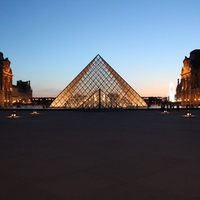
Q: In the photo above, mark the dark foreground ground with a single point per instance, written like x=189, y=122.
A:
x=138, y=154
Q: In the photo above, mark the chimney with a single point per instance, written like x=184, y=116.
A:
x=1, y=56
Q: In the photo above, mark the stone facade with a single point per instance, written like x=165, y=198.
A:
x=5, y=82
x=22, y=93
x=188, y=89
x=12, y=94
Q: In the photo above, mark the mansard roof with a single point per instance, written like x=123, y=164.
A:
x=194, y=59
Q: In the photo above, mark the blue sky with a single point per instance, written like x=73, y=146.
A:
x=50, y=41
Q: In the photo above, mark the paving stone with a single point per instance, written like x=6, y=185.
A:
x=132, y=154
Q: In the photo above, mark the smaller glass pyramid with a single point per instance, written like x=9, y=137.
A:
x=98, y=86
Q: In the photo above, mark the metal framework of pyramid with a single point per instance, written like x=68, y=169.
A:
x=98, y=86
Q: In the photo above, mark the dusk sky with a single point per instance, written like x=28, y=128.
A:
x=50, y=41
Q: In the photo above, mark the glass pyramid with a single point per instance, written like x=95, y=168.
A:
x=98, y=86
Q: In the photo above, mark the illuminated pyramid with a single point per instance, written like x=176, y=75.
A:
x=98, y=86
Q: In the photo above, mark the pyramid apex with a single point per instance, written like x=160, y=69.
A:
x=98, y=56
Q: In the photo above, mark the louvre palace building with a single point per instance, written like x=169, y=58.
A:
x=188, y=88
x=12, y=94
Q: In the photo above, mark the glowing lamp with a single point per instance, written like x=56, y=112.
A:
x=13, y=114
x=34, y=112
x=189, y=114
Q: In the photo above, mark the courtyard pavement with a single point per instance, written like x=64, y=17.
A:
x=102, y=155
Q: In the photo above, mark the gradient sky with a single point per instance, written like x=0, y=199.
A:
x=50, y=41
